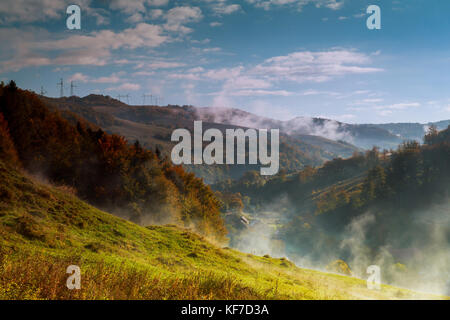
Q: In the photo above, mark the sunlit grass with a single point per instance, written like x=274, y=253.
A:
x=43, y=230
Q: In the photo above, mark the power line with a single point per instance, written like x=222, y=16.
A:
x=127, y=96
x=61, y=91
x=159, y=100
x=71, y=88
x=146, y=96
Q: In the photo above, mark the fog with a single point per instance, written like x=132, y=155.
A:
x=422, y=264
x=329, y=129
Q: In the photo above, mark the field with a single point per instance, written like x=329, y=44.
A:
x=45, y=228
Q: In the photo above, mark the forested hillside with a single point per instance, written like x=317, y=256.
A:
x=379, y=207
x=153, y=126
x=103, y=169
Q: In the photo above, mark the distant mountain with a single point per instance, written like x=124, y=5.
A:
x=412, y=131
x=363, y=136
x=304, y=141
x=153, y=126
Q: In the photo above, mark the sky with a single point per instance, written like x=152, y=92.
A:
x=280, y=59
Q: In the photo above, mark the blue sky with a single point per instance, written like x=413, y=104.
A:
x=279, y=58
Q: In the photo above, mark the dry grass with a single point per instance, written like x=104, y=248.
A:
x=39, y=277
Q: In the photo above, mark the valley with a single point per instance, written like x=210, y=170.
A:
x=260, y=237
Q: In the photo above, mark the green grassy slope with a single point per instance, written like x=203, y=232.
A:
x=44, y=229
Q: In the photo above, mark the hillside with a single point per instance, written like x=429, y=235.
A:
x=153, y=126
x=104, y=170
x=44, y=229
x=388, y=208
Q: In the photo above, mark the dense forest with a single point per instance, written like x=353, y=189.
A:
x=103, y=169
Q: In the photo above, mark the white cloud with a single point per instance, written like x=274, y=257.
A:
x=143, y=73
x=156, y=13
x=178, y=16
x=398, y=106
x=267, y=4
x=204, y=41
x=196, y=69
x=122, y=61
x=30, y=11
x=27, y=11
x=185, y=76
x=255, y=93
x=387, y=110
x=385, y=113
x=317, y=92
x=158, y=3
x=215, y=24
x=224, y=73
x=135, y=18
x=126, y=87
x=110, y=79
x=163, y=65
x=209, y=50
x=155, y=64
x=135, y=6
x=343, y=117
x=193, y=74
x=375, y=100
x=308, y=66
x=223, y=7
x=265, y=78
x=113, y=78
x=35, y=47
x=128, y=6
x=79, y=77
x=226, y=9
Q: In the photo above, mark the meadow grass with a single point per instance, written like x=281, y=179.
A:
x=44, y=229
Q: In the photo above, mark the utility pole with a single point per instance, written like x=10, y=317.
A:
x=145, y=96
x=127, y=96
x=61, y=90
x=71, y=88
